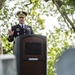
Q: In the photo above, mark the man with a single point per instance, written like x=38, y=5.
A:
x=21, y=28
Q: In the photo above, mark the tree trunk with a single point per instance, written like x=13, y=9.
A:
x=63, y=13
x=1, y=51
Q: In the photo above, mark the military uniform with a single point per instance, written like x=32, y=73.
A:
x=18, y=30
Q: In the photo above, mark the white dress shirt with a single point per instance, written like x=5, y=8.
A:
x=22, y=25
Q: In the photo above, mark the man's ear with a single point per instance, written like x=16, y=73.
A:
x=25, y=18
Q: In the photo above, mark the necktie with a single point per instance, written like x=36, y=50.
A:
x=22, y=25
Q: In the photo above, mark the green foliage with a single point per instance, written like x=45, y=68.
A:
x=8, y=19
x=7, y=46
x=71, y=3
x=1, y=3
x=56, y=42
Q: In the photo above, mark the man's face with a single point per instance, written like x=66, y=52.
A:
x=21, y=20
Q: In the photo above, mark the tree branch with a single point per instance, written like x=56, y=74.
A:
x=63, y=14
x=28, y=3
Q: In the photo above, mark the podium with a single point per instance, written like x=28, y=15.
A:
x=31, y=54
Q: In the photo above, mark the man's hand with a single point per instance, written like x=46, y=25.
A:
x=10, y=32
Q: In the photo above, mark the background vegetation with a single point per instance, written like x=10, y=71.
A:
x=57, y=40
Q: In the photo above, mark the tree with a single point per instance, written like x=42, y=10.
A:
x=1, y=3
x=66, y=19
x=64, y=7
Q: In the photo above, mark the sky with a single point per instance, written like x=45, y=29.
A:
x=50, y=22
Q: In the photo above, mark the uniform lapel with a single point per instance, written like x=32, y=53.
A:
x=19, y=26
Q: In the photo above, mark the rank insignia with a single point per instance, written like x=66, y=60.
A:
x=17, y=29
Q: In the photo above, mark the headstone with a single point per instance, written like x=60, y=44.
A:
x=66, y=63
x=8, y=65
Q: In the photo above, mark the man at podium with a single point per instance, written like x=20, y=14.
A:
x=21, y=28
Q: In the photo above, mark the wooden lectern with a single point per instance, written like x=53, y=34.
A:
x=30, y=51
